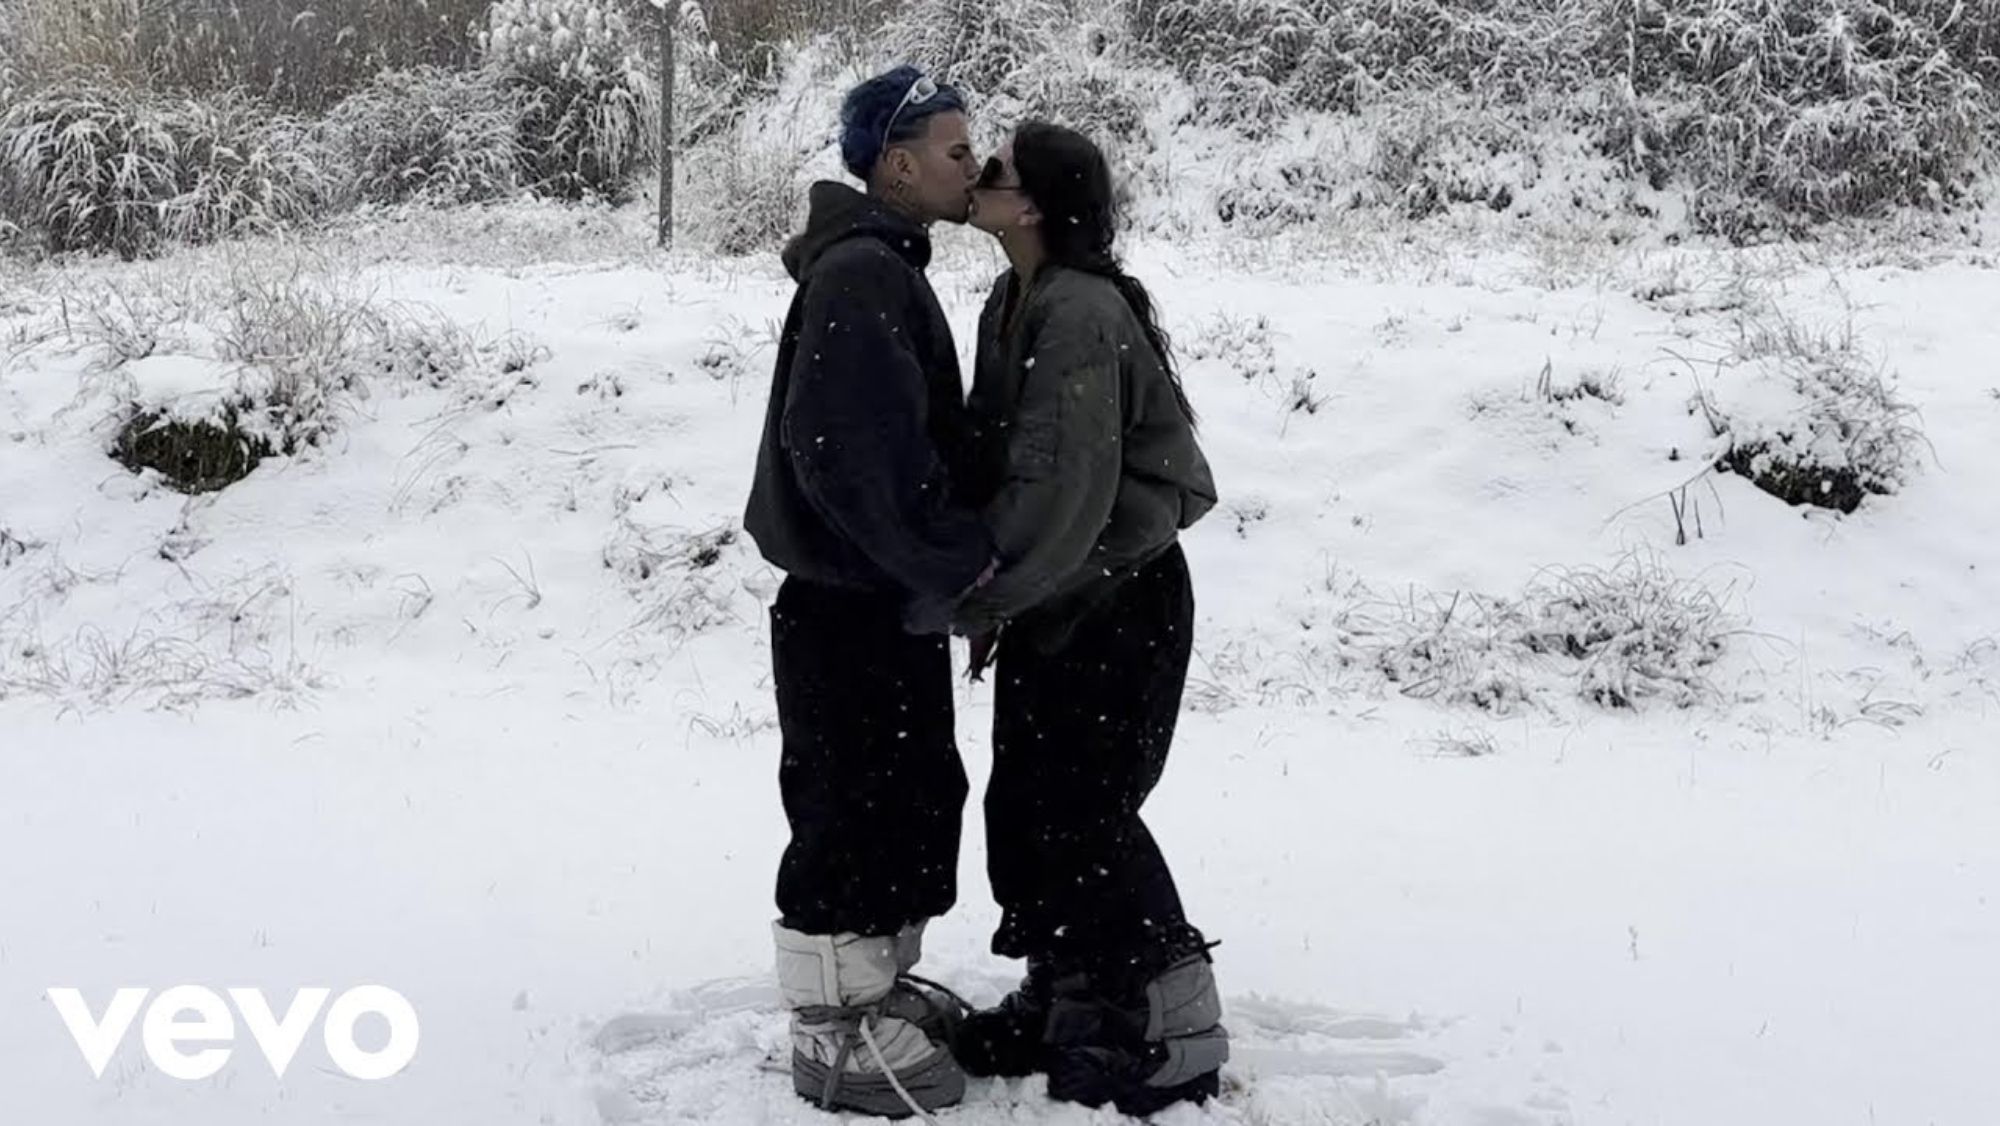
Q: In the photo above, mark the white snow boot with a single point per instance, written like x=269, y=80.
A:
x=857, y=1044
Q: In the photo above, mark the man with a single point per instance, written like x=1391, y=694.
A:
x=853, y=500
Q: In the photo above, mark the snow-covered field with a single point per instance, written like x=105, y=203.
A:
x=472, y=700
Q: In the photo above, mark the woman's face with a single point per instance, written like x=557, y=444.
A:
x=999, y=205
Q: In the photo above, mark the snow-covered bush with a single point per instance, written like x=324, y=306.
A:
x=1635, y=632
x=1821, y=423
x=302, y=54
x=756, y=179
x=1056, y=60
x=590, y=108
x=746, y=182
x=100, y=167
x=304, y=347
x=675, y=576
x=124, y=323
x=1770, y=114
x=753, y=37
x=287, y=354
x=1053, y=60
x=1435, y=152
x=1779, y=113
x=430, y=136
x=1616, y=637
x=1970, y=30
x=1255, y=57
x=980, y=45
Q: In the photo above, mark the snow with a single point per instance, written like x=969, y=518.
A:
x=171, y=381
x=473, y=702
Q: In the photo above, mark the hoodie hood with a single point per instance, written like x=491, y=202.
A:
x=839, y=213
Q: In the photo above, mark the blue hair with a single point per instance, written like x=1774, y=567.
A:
x=868, y=108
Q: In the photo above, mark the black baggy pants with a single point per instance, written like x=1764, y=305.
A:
x=1080, y=737
x=870, y=775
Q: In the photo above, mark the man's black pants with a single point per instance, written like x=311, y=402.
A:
x=870, y=775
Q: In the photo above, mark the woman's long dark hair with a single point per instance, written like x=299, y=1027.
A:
x=1066, y=176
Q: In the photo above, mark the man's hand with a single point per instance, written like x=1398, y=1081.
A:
x=983, y=646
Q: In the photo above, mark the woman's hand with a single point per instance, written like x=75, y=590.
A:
x=983, y=646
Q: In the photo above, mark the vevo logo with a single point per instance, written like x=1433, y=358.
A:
x=189, y=1015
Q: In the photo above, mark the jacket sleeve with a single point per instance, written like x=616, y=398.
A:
x=855, y=429
x=1064, y=461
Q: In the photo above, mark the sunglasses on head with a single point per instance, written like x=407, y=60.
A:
x=922, y=90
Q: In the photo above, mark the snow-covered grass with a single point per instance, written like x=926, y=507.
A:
x=1745, y=118
x=1533, y=772
x=103, y=168
x=431, y=135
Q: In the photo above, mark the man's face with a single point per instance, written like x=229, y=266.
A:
x=937, y=168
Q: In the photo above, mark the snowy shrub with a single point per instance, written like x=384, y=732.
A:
x=1770, y=114
x=1604, y=386
x=747, y=185
x=1023, y=60
x=420, y=347
x=1260, y=39
x=293, y=352
x=42, y=41
x=746, y=181
x=512, y=353
x=1823, y=426
x=107, y=168
x=1244, y=344
x=980, y=45
x=1436, y=152
x=1295, y=189
x=1253, y=57
x=1969, y=29
x=124, y=323
x=590, y=108
x=304, y=349
x=303, y=54
x=753, y=37
x=1635, y=632
x=1456, y=651
x=675, y=576
x=299, y=350
x=430, y=136
x=1615, y=637
x=1084, y=80
x=1777, y=113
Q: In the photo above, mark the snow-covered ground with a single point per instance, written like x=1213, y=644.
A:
x=472, y=701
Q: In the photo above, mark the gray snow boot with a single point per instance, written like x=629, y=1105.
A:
x=856, y=1040
x=1141, y=1045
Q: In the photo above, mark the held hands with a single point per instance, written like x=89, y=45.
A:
x=983, y=643
x=983, y=647
x=986, y=576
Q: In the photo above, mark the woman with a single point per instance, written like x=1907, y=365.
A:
x=1086, y=461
